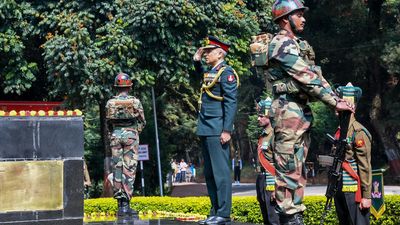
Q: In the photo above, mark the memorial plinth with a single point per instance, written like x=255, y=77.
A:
x=41, y=170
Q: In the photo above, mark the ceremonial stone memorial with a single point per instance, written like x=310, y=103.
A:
x=41, y=170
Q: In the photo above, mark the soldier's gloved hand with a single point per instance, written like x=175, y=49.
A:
x=225, y=137
x=365, y=203
x=199, y=53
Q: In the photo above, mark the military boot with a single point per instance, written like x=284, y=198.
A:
x=124, y=209
x=295, y=219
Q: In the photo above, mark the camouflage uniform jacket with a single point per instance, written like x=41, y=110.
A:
x=292, y=70
x=360, y=150
x=125, y=111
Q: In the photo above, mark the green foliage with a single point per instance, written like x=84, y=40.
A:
x=253, y=130
x=356, y=41
x=324, y=122
x=391, y=61
x=86, y=47
x=244, y=209
x=75, y=49
x=17, y=71
x=78, y=47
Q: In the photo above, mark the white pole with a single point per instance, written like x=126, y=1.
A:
x=157, y=143
x=141, y=172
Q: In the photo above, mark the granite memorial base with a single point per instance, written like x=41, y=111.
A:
x=41, y=170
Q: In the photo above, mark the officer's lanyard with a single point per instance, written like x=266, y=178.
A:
x=206, y=88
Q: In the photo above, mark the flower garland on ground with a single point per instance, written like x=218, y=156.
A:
x=75, y=112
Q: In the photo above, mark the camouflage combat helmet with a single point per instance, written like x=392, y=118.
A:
x=263, y=106
x=349, y=93
x=284, y=7
x=122, y=80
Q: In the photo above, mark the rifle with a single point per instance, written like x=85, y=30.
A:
x=337, y=157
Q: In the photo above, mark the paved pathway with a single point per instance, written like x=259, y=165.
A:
x=249, y=189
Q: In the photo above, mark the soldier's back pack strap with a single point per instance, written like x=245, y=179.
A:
x=121, y=109
x=259, y=49
x=259, y=54
x=206, y=87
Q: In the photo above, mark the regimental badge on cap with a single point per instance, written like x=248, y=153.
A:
x=264, y=106
x=349, y=93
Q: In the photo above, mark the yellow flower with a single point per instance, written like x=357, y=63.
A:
x=33, y=113
x=2, y=113
x=41, y=113
x=78, y=112
x=70, y=113
x=60, y=113
x=50, y=113
x=13, y=113
x=22, y=113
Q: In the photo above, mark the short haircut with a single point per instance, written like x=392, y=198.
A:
x=224, y=53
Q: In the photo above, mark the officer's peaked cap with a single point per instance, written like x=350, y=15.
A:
x=213, y=42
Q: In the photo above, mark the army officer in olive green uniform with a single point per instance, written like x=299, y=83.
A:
x=353, y=199
x=217, y=109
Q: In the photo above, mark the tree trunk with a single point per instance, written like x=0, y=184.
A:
x=384, y=136
x=377, y=84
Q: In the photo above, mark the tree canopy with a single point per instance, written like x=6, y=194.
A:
x=71, y=51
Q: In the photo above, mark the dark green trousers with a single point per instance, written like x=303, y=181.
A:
x=218, y=175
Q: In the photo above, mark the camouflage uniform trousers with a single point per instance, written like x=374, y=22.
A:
x=124, y=149
x=291, y=121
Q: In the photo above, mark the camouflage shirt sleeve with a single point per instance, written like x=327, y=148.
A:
x=362, y=150
x=285, y=51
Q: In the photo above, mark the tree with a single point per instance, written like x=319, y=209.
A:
x=349, y=42
x=87, y=43
x=17, y=69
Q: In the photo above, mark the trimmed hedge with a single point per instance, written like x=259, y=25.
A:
x=244, y=209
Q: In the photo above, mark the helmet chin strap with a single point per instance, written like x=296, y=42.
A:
x=292, y=25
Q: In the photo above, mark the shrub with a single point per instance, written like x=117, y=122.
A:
x=244, y=209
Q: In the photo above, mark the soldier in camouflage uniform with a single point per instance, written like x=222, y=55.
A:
x=125, y=120
x=265, y=184
x=353, y=199
x=296, y=80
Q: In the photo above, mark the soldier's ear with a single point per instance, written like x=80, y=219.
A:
x=220, y=54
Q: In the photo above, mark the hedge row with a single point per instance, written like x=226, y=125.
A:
x=244, y=209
